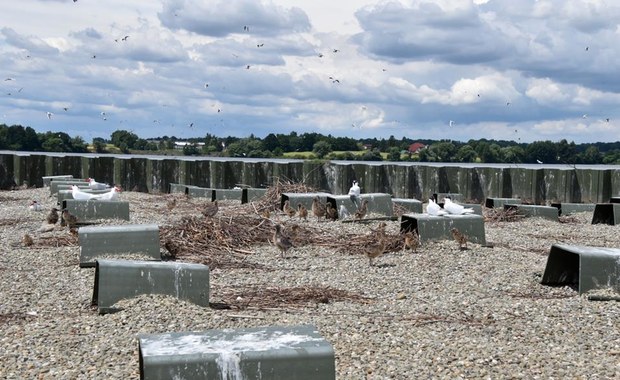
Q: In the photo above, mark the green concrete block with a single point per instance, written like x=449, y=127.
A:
x=546, y=212
x=96, y=209
x=56, y=185
x=48, y=178
x=121, y=279
x=573, y=208
x=501, y=202
x=178, y=188
x=252, y=194
x=411, y=205
x=586, y=268
x=227, y=194
x=614, y=200
x=606, y=213
x=97, y=241
x=303, y=198
x=431, y=227
x=274, y=352
x=378, y=203
x=200, y=192
x=456, y=197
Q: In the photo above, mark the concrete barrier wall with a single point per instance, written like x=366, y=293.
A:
x=535, y=183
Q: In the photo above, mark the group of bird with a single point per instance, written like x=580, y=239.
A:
x=111, y=195
x=449, y=207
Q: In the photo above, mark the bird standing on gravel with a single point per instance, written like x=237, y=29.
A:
x=282, y=241
x=460, y=238
x=411, y=241
x=210, y=209
x=318, y=209
x=69, y=219
x=375, y=249
x=330, y=212
x=362, y=211
x=52, y=217
x=171, y=204
x=288, y=210
x=302, y=211
x=27, y=240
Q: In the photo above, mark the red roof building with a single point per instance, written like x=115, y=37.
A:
x=416, y=147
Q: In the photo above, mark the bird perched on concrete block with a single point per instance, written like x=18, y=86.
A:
x=302, y=211
x=434, y=209
x=52, y=217
x=288, y=210
x=69, y=219
x=318, y=209
x=282, y=241
x=460, y=238
x=375, y=249
x=411, y=241
x=354, y=194
x=210, y=209
x=454, y=208
x=362, y=210
x=94, y=185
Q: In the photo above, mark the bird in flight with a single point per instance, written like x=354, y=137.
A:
x=49, y=115
x=260, y=45
x=451, y=123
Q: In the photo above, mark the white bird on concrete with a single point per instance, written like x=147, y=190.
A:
x=80, y=195
x=354, y=193
x=111, y=195
x=94, y=185
x=454, y=208
x=539, y=161
x=434, y=209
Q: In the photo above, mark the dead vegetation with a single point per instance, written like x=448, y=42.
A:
x=496, y=215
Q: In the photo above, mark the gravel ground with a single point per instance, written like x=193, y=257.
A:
x=438, y=313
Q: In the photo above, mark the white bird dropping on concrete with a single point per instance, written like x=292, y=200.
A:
x=454, y=208
x=434, y=209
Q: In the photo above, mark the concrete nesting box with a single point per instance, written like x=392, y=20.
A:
x=606, y=213
x=573, y=208
x=179, y=188
x=546, y=212
x=303, y=198
x=49, y=178
x=291, y=353
x=200, y=192
x=586, y=268
x=611, y=200
x=252, y=194
x=66, y=185
x=228, y=194
x=378, y=203
x=96, y=209
x=120, y=279
x=96, y=241
x=431, y=227
x=411, y=205
x=501, y=202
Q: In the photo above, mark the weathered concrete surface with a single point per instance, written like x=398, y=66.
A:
x=535, y=184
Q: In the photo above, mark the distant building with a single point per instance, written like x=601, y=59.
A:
x=416, y=147
x=183, y=144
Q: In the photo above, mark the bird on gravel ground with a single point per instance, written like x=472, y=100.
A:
x=375, y=249
x=454, y=208
x=69, y=219
x=318, y=209
x=288, y=210
x=171, y=204
x=52, y=217
x=459, y=238
x=282, y=241
x=302, y=211
x=210, y=209
x=330, y=212
x=411, y=241
x=362, y=211
x=27, y=240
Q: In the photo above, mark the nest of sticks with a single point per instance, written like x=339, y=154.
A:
x=495, y=215
x=256, y=297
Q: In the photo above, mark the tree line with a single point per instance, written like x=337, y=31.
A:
x=317, y=146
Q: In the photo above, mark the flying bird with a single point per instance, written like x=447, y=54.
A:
x=260, y=45
x=49, y=115
x=451, y=123
x=455, y=208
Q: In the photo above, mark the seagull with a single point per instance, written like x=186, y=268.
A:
x=35, y=206
x=80, y=195
x=539, y=161
x=206, y=85
x=247, y=67
x=260, y=45
x=49, y=115
x=451, y=122
x=454, y=208
x=8, y=79
x=585, y=116
x=125, y=38
x=94, y=185
x=354, y=193
x=336, y=50
x=111, y=195
x=434, y=209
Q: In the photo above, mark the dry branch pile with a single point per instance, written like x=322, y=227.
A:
x=496, y=215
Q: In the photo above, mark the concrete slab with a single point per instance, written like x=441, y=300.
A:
x=438, y=227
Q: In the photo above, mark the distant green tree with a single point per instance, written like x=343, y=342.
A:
x=393, y=153
x=371, y=155
x=124, y=137
x=191, y=150
x=99, y=145
x=591, y=156
x=512, y=154
x=466, y=154
x=78, y=145
x=543, y=151
x=321, y=149
x=567, y=152
x=443, y=151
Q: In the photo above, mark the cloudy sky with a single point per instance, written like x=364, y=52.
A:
x=501, y=69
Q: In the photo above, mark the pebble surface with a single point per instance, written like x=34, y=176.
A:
x=439, y=313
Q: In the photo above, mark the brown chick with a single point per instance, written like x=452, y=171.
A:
x=411, y=241
x=330, y=212
x=70, y=219
x=318, y=209
x=375, y=249
x=27, y=240
x=288, y=210
x=210, y=209
x=302, y=211
x=52, y=217
x=362, y=211
x=171, y=204
x=459, y=238
x=265, y=213
x=282, y=241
